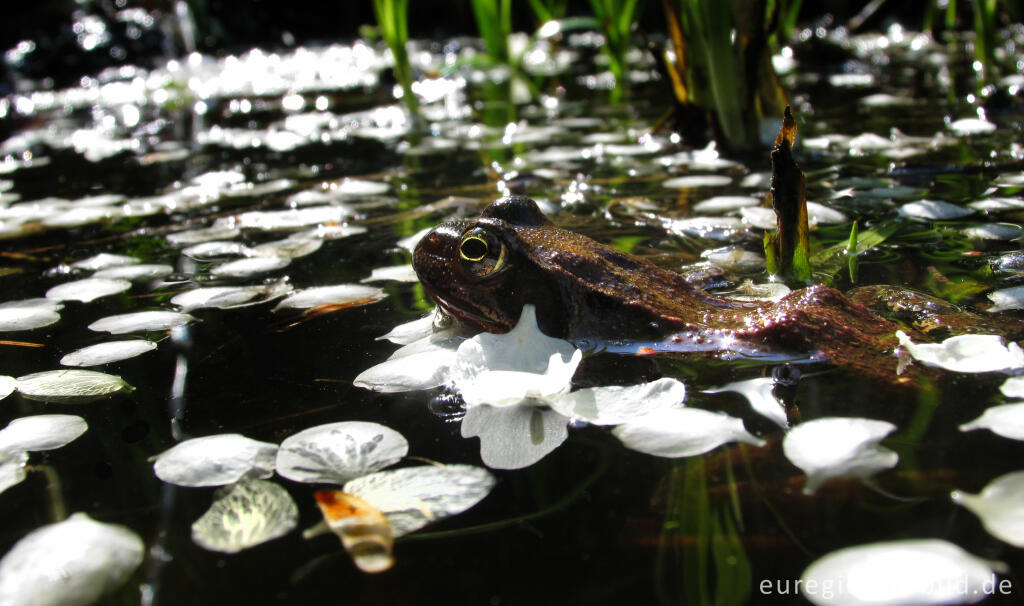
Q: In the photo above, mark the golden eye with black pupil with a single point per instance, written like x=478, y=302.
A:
x=481, y=253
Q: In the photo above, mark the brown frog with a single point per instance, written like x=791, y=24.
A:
x=482, y=271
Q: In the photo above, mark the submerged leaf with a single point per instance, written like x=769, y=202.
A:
x=40, y=432
x=514, y=437
x=244, y=515
x=105, y=353
x=836, y=447
x=966, y=353
x=337, y=452
x=70, y=563
x=914, y=572
x=215, y=460
x=70, y=386
x=682, y=432
x=140, y=321
x=413, y=497
x=1000, y=505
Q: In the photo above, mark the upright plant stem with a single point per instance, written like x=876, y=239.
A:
x=393, y=21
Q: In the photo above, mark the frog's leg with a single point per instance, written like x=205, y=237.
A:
x=929, y=315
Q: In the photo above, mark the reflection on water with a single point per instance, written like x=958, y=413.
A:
x=226, y=215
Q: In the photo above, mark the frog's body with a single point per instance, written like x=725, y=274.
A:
x=482, y=272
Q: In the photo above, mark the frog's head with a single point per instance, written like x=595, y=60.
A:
x=480, y=271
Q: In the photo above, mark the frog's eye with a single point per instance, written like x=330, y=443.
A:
x=481, y=252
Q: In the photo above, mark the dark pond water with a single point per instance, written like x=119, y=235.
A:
x=204, y=142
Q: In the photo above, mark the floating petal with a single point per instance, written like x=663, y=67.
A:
x=7, y=386
x=244, y=515
x=229, y=297
x=12, y=468
x=135, y=272
x=254, y=266
x=403, y=334
x=933, y=210
x=413, y=497
x=614, y=405
x=140, y=321
x=87, y=290
x=682, y=432
x=513, y=437
x=103, y=261
x=1000, y=507
x=1006, y=420
x=215, y=460
x=1011, y=388
x=70, y=386
x=966, y=353
x=694, y=181
x=914, y=572
x=505, y=369
x=216, y=249
x=40, y=432
x=971, y=126
x=422, y=364
x=339, y=294
x=397, y=273
x=1007, y=298
x=994, y=231
x=299, y=245
x=70, y=563
x=364, y=530
x=105, y=353
x=217, y=231
x=758, y=393
x=26, y=318
x=337, y=452
x=836, y=447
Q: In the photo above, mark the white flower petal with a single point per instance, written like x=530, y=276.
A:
x=1006, y=420
x=914, y=572
x=1007, y=298
x=523, y=363
x=12, y=468
x=397, y=273
x=514, y=437
x=339, y=294
x=87, y=290
x=412, y=497
x=403, y=334
x=758, y=393
x=1000, y=505
x=70, y=563
x=244, y=515
x=229, y=297
x=135, y=272
x=26, y=318
x=245, y=268
x=103, y=261
x=7, y=386
x=966, y=353
x=422, y=364
x=835, y=447
x=70, y=386
x=933, y=210
x=337, y=452
x=140, y=321
x=682, y=432
x=215, y=460
x=613, y=405
x=105, y=353
x=40, y=432
x=1011, y=388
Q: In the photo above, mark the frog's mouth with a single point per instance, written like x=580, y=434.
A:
x=464, y=317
